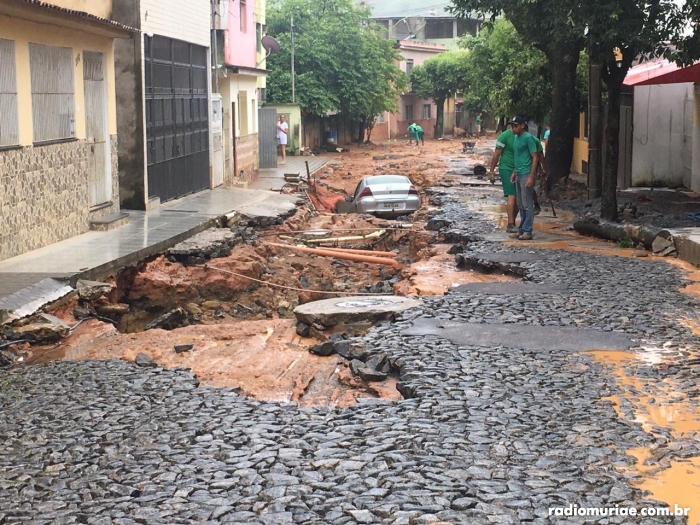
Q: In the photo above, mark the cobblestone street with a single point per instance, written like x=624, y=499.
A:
x=494, y=433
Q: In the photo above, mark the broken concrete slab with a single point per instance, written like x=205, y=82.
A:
x=511, y=288
x=366, y=373
x=209, y=244
x=517, y=335
x=323, y=349
x=507, y=257
x=348, y=310
x=169, y=321
x=91, y=290
x=41, y=332
x=29, y=300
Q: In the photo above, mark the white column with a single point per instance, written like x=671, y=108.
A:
x=695, y=176
x=454, y=28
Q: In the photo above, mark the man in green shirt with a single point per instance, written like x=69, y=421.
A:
x=503, y=155
x=526, y=160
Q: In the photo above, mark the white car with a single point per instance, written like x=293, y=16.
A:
x=385, y=195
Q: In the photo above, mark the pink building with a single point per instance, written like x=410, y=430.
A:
x=241, y=84
x=411, y=108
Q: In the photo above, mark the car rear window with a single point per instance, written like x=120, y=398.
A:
x=387, y=179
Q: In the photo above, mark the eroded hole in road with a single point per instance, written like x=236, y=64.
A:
x=236, y=332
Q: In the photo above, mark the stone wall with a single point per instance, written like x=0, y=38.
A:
x=247, y=158
x=44, y=195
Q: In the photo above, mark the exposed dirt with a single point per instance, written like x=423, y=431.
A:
x=264, y=359
x=421, y=164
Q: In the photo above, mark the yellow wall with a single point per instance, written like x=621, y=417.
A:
x=22, y=32
x=580, y=147
x=101, y=8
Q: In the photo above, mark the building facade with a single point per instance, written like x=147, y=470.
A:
x=163, y=94
x=420, y=31
x=58, y=126
x=241, y=83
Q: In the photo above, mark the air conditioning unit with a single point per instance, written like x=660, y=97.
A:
x=222, y=10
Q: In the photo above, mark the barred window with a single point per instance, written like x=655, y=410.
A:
x=9, y=118
x=53, y=104
x=426, y=111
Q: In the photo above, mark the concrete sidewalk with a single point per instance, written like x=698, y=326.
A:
x=273, y=179
x=40, y=276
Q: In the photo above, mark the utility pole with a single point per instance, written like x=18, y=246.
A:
x=595, y=131
x=292, y=38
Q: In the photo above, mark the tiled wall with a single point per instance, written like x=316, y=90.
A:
x=44, y=195
x=247, y=154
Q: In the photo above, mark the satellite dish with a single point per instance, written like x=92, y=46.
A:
x=271, y=45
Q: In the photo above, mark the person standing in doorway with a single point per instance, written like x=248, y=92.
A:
x=282, y=133
x=478, y=125
x=526, y=159
x=503, y=156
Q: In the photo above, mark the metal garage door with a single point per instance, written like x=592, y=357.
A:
x=177, y=117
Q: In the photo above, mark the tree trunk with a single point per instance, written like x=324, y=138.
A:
x=440, y=103
x=614, y=77
x=565, y=114
x=361, y=133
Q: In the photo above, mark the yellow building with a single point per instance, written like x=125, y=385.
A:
x=579, y=163
x=58, y=129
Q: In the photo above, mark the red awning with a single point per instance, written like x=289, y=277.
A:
x=662, y=72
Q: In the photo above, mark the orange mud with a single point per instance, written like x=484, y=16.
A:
x=438, y=273
x=266, y=359
x=676, y=484
x=691, y=273
x=422, y=164
x=658, y=404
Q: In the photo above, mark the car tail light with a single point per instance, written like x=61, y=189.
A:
x=365, y=193
x=412, y=190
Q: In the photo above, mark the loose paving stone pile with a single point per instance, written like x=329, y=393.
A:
x=486, y=435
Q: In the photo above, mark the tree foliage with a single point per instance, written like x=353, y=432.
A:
x=506, y=77
x=438, y=78
x=342, y=63
x=553, y=27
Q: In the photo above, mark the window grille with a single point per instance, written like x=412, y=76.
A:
x=408, y=113
x=426, y=111
x=53, y=106
x=9, y=118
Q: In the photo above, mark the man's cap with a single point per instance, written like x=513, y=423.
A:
x=518, y=120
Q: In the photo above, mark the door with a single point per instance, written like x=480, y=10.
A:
x=267, y=137
x=99, y=155
x=217, y=132
x=234, y=120
x=177, y=117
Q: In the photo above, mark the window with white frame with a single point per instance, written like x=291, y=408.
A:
x=53, y=104
x=9, y=118
x=426, y=111
x=380, y=119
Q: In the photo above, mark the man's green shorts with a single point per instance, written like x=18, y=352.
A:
x=508, y=186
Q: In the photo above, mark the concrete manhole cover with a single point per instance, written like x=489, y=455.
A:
x=364, y=303
x=348, y=310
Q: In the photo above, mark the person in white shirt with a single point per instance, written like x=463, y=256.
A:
x=282, y=132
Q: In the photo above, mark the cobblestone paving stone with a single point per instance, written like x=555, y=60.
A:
x=485, y=436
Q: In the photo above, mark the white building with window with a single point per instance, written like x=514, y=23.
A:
x=58, y=128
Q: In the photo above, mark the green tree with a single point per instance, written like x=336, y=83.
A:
x=341, y=61
x=555, y=28
x=439, y=78
x=505, y=76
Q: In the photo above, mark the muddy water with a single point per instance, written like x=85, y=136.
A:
x=658, y=405
x=266, y=359
x=438, y=273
